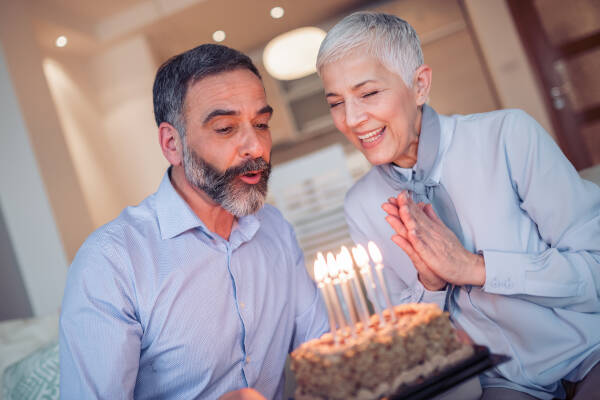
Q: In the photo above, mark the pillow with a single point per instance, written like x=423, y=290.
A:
x=34, y=377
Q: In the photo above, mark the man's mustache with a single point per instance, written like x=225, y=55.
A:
x=255, y=165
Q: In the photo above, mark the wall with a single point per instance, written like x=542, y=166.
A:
x=104, y=105
x=28, y=216
x=14, y=302
x=23, y=62
x=506, y=58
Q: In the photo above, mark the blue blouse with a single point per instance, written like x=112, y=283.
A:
x=523, y=206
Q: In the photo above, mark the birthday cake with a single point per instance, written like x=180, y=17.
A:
x=378, y=361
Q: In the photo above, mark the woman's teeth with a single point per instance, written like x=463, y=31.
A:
x=371, y=136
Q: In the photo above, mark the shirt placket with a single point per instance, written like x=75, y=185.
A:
x=240, y=307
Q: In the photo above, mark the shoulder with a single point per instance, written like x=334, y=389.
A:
x=501, y=121
x=501, y=129
x=365, y=181
x=366, y=184
x=134, y=222
x=491, y=116
x=110, y=245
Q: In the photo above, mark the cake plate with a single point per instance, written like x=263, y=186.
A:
x=426, y=388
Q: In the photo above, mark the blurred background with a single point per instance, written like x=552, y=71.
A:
x=79, y=142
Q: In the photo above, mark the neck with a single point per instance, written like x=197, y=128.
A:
x=215, y=218
x=409, y=159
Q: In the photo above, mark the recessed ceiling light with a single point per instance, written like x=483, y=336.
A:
x=293, y=55
x=219, y=36
x=277, y=12
x=61, y=41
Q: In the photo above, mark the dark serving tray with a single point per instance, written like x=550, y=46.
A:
x=480, y=361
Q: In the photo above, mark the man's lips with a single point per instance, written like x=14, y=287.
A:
x=252, y=177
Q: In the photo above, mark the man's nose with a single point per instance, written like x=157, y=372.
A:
x=251, y=146
x=355, y=114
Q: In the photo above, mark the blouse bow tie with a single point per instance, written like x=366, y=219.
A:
x=422, y=187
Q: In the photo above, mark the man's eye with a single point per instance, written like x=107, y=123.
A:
x=332, y=105
x=262, y=126
x=224, y=130
x=370, y=93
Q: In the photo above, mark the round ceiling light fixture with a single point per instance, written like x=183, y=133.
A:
x=277, y=12
x=61, y=41
x=219, y=36
x=293, y=55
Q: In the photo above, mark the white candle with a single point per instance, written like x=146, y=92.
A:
x=330, y=291
x=320, y=271
x=362, y=259
x=347, y=295
x=348, y=267
x=331, y=269
x=377, y=259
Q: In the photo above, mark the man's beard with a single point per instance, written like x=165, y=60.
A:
x=226, y=189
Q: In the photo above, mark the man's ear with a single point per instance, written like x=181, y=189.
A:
x=170, y=143
x=422, y=84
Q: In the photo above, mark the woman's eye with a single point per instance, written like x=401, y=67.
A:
x=332, y=105
x=371, y=93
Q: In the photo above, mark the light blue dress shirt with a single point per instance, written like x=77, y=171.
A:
x=523, y=206
x=158, y=307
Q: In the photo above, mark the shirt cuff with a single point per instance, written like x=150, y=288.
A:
x=527, y=274
x=505, y=272
x=438, y=297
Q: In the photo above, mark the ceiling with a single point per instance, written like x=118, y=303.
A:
x=173, y=26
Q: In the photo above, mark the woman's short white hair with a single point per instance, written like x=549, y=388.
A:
x=388, y=38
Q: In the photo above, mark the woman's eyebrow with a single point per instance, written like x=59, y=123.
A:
x=357, y=86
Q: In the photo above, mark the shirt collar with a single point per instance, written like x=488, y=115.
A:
x=407, y=173
x=175, y=216
x=429, y=144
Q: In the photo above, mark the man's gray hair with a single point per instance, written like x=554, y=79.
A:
x=178, y=73
x=388, y=38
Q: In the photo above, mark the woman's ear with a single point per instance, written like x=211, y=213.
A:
x=422, y=84
x=170, y=143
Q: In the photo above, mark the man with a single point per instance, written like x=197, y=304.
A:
x=199, y=290
x=486, y=216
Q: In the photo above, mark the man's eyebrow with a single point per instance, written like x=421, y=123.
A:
x=265, y=110
x=218, y=113
x=358, y=85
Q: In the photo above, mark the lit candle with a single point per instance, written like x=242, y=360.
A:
x=320, y=272
x=343, y=279
x=331, y=279
x=362, y=259
x=377, y=258
x=348, y=268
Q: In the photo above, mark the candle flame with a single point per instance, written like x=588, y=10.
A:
x=345, y=260
x=340, y=265
x=321, y=257
x=360, y=255
x=375, y=253
x=332, y=266
x=320, y=268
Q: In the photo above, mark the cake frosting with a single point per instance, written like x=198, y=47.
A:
x=379, y=360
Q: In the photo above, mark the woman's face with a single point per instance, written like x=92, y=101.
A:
x=374, y=109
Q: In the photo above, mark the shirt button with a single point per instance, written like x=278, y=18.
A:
x=242, y=305
x=248, y=359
